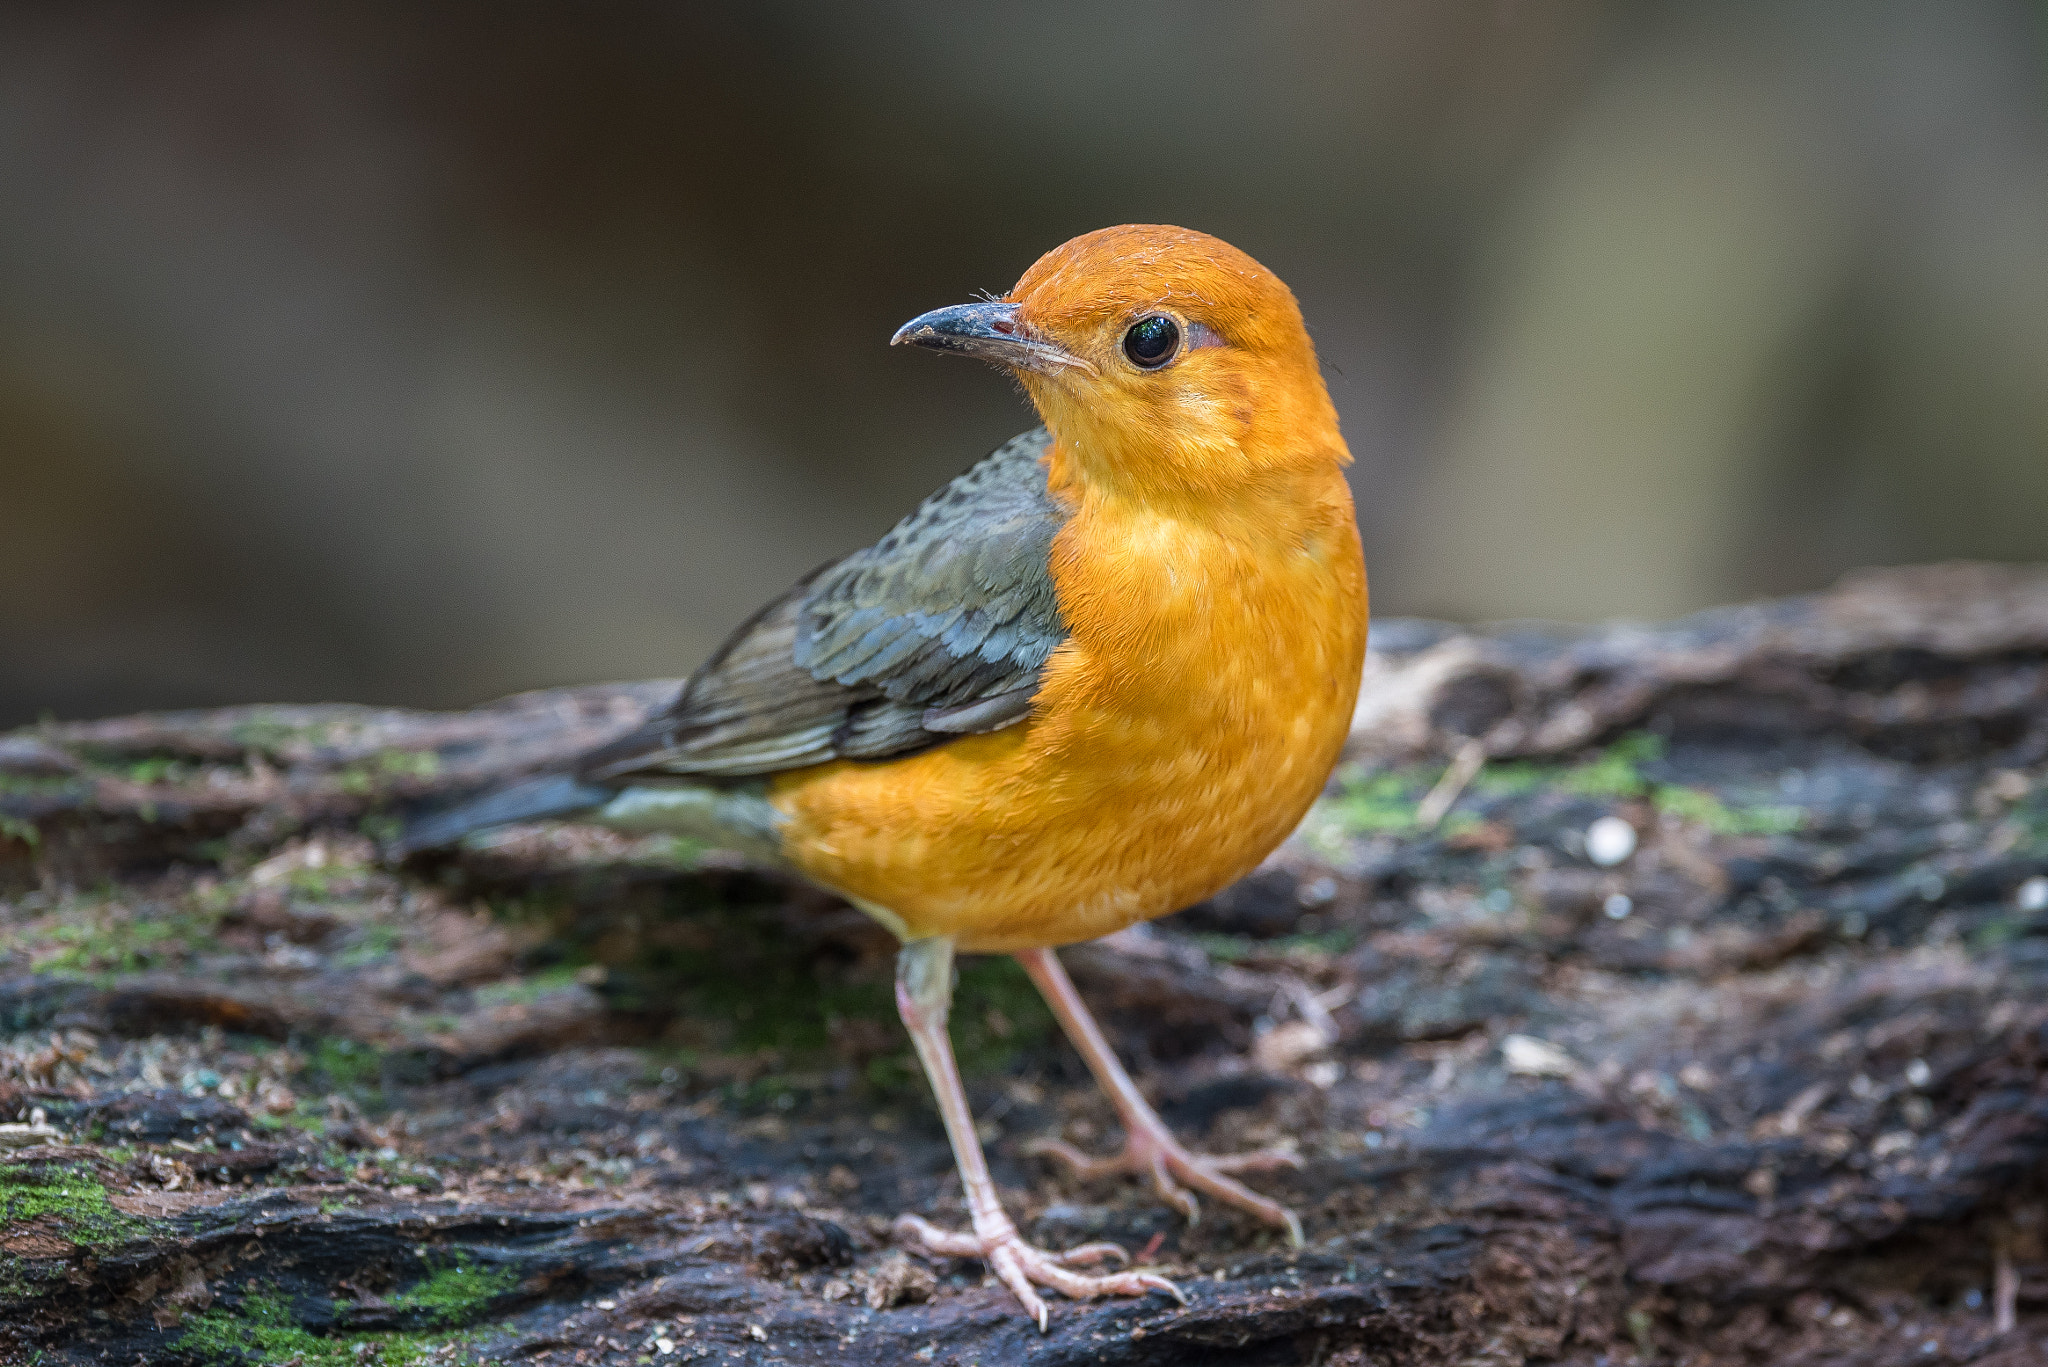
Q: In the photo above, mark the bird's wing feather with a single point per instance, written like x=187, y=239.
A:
x=940, y=629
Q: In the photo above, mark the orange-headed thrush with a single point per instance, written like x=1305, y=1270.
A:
x=1094, y=679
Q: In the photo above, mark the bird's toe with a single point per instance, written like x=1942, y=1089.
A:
x=1023, y=1267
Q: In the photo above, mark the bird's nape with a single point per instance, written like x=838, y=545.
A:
x=1096, y=678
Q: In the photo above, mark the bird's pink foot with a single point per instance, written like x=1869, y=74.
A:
x=1155, y=1154
x=1023, y=1267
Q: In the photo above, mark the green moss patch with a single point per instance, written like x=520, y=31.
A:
x=386, y=768
x=374, y=943
x=1703, y=808
x=262, y=1329
x=37, y=785
x=70, y=1201
x=520, y=991
x=702, y=967
x=457, y=1292
x=1384, y=803
x=345, y=1065
x=94, y=935
x=784, y=1008
x=1615, y=772
x=2031, y=817
x=1379, y=803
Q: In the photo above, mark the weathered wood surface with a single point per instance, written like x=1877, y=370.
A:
x=1771, y=1088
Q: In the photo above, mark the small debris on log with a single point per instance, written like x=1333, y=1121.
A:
x=1767, y=1085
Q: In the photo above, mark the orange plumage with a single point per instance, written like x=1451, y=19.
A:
x=1096, y=678
x=1212, y=582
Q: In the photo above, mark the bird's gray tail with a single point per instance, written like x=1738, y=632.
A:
x=532, y=799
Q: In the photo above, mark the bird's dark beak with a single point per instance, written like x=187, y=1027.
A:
x=992, y=332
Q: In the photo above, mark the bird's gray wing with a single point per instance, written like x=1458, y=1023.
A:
x=938, y=630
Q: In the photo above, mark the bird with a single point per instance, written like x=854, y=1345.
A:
x=1096, y=678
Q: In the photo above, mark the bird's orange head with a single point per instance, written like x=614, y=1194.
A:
x=1166, y=362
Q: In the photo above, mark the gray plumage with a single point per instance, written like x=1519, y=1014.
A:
x=541, y=798
x=940, y=629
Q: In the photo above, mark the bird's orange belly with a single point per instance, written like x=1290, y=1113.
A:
x=1130, y=793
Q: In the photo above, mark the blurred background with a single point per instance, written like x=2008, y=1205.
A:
x=417, y=354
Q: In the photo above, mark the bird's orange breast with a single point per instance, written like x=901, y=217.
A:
x=1178, y=736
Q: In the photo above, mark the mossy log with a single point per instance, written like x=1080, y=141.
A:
x=1673, y=994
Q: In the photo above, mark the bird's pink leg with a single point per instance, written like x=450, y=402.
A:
x=924, y=994
x=1150, y=1149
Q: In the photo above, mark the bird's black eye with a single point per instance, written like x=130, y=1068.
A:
x=1152, y=341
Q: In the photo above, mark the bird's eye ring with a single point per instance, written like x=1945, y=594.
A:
x=1152, y=341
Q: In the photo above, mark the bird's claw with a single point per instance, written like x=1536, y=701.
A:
x=1023, y=1267
x=1172, y=1169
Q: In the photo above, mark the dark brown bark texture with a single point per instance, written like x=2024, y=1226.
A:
x=1707, y=1024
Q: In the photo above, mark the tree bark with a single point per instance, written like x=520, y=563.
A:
x=1706, y=1024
